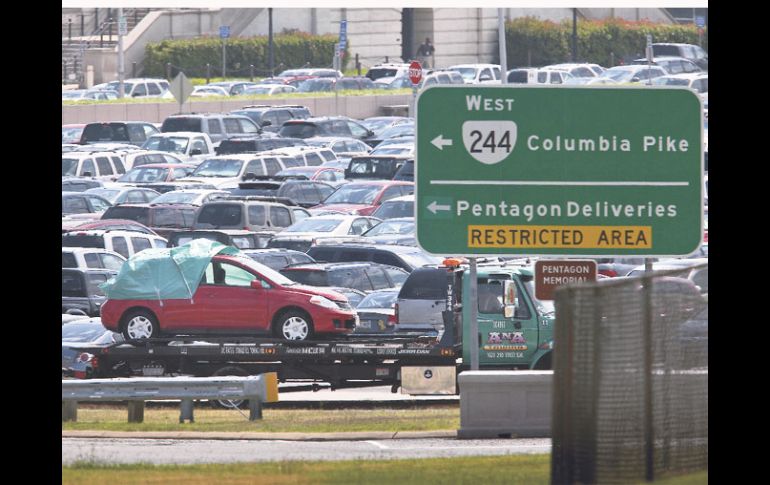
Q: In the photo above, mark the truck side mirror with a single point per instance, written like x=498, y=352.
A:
x=509, y=298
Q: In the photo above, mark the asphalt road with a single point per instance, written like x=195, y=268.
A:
x=187, y=451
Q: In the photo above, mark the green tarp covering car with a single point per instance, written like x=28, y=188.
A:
x=165, y=273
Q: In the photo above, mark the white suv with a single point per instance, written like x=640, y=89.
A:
x=125, y=243
x=478, y=73
x=227, y=171
x=99, y=165
x=86, y=258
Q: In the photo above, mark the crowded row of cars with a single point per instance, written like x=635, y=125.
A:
x=300, y=227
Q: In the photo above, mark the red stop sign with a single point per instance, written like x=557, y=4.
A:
x=415, y=72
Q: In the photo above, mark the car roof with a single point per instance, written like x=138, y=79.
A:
x=165, y=205
x=321, y=266
x=167, y=134
x=403, y=198
x=103, y=232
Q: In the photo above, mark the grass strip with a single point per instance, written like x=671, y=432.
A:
x=273, y=420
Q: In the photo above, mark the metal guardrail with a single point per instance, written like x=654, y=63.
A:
x=256, y=389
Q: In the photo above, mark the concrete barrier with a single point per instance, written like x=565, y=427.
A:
x=508, y=404
x=353, y=106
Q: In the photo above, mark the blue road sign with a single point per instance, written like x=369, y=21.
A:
x=700, y=21
x=224, y=31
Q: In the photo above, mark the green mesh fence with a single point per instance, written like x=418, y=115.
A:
x=631, y=378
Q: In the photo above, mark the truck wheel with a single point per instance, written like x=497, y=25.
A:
x=293, y=325
x=140, y=324
x=230, y=403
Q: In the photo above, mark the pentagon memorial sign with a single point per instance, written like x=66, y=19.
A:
x=565, y=171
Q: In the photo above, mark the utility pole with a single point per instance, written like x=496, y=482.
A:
x=503, y=49
x=270, y=40
x=574, y=35
x=121, y=58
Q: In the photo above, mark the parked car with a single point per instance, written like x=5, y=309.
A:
x=271, y=117
x=407, y=258
x=217, y=126
x=69, y=224
x=139, y=87
x=397, y=230
x=85, y=95
x=422, y=298
x=377, y=313
x=398, y=82
x=672, y=65
x=79, y=336
x=236, y=296
x=157, y=172
x=97, y=164
x=71, y=133
x=364, y=197
x=332, y=84
x=301, y=235
x=305, y=155
x=161, y=218
x=91, y=258
x=330, y=175
x=361, y=276
x=575, y=69
x=613, y=267
x=190, y=196
x=398, y=130
x=257, y=143
x=406, y=172
x=396, y=207
x=246, y=213
x=208, y=91
x=227, y=171
x=478, y=73
x=233, y=88
x=83, y=203
x=278, y=258
x=304, y=193
x=80, y=289
x=268, y=89
x=374, y=167
x=78, y=184
x=325, y=126
x=633, y=73
x=125, y=243
x=238, y=238
x=438, y=76
x=691, y=52
x=391, y=69
x=339, y=144
x=131, y=132
x=698, y=81
x=190, y=147
x=122, y=195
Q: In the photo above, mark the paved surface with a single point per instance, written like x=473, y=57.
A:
x=192, y=451
x=380, y=393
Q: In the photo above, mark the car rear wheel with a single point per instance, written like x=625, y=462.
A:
x=294, y=325
x=140, y=324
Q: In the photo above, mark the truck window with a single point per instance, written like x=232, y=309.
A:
x=490, y=296
x=429, y=284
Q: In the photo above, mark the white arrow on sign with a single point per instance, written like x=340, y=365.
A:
x=434, y=207
x=441, y=142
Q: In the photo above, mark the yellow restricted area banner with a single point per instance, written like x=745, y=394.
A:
x=585, y=237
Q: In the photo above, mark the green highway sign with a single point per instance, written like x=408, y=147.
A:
x=568, y=171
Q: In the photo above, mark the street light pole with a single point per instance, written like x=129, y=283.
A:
x=121, y=58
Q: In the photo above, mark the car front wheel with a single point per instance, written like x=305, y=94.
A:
x=294, y=325
x=140, y=324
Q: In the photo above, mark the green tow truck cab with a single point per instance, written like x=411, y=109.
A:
x=515, y=329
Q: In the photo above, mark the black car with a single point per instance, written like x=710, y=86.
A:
x=253, y=144
x=271, y=118
x=80, y=289
x=405, y=257
x=364, y=277
x=304, y=193
x=79, y=184
x=82, y=203
x=375, y=167
x=691, y=52
x=132, y=132
x=324, y=126
x=278, y=258
x=406, y=172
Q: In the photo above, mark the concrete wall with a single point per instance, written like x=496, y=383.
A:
x=373, y=34
x=353, y=106
x=465, y=35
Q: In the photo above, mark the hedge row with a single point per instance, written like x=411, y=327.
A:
x=534, y=42
x=191, y=55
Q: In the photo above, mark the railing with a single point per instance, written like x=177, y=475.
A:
x=256, y=389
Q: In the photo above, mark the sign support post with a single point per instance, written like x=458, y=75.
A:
x=473, y=302
x=415, y=75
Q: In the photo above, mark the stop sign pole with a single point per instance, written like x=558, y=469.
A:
x=415, y=75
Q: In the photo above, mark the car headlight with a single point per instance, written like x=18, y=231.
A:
x=324, y=302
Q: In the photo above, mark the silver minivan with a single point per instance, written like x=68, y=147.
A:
x=422, y=299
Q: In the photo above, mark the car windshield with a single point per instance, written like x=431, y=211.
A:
x=468, y=73
x=391, y=227
x=218, y=168
x=402, y=129
x=138, y=214
x=619, y=75
x=173, y=144
x=69, y=167
x=670, y=81
x=175, y=197
x=265, y=271
x=314, y=225
x=354, y=194
x=87, y=332
x=313, y=85
x=384, y=299
x=395, y=209
x=145, y=174
x=257, y=90
x=665, y=50
x=109, y=194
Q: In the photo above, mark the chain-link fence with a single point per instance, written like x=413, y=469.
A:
x=631, y=378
